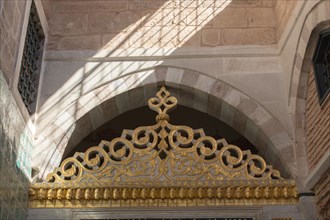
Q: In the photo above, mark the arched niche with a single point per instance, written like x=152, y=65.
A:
x=314, y=23
x=194, y=90
x=163, y=162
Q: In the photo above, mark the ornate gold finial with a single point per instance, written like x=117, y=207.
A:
x=162, y=103
x=164, y=161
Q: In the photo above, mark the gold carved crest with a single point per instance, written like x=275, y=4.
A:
x=163, y=162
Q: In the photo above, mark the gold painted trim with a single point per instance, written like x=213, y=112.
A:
x=124, y=193
x=163, y=162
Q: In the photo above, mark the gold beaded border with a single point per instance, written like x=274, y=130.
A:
x=154, y=196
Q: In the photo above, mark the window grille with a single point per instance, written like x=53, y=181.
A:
x=31, y=61
x=321, y=61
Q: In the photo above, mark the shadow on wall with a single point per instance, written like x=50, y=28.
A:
x=163, y=31
x=161, y=27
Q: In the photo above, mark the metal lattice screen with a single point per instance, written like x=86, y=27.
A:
x=321, y=63
x=31, y=61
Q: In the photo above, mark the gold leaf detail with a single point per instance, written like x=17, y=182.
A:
x=142, y=161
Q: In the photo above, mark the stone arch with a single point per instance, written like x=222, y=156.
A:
x=192, y=89
x=314, y=23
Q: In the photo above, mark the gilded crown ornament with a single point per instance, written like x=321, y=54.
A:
x=164, y=161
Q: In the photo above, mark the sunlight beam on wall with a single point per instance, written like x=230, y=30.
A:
x=161, y=33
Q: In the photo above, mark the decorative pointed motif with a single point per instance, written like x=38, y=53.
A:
x=164, y=161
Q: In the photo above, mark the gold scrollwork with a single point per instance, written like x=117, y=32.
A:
x=144, y=160
x=162, y=103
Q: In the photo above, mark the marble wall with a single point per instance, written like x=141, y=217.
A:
x=15, y=157
x=15, y=138
x=275, y=212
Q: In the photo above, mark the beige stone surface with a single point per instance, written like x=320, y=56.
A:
x=269, y=3
x=247, y=3
x=165, y=17
x=251, y=36
x=87, y=6
x=211, y=37
x=283, y=11
x=261, y=17
x=194, y=40
x=160, y=23
x=202, y=17
x=114, y=41
x=110, y=22
x=147, y=4
x=80, y=43
x=230, y=17
x=68, y=24
x=251, y=65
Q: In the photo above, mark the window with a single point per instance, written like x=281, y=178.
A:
x=321, y=61
x=31, y=61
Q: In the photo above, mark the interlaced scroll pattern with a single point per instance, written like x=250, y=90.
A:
x=149, y=159
x=163, y=152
